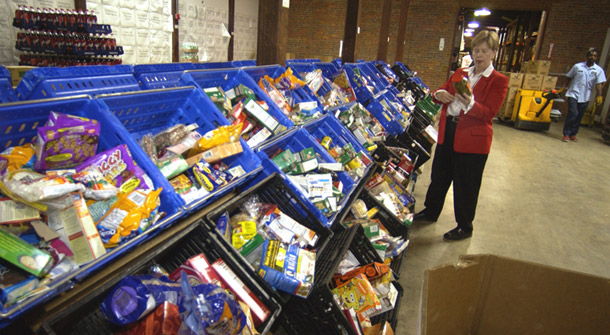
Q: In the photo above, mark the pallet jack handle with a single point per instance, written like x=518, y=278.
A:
x=549, y=96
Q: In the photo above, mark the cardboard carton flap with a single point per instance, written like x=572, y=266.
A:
x=486, y=294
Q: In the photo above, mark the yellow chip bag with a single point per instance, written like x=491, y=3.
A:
x=125, y=216
x=242, y=233
x=15, y=158
x=216, y=137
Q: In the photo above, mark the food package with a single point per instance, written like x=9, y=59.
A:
x=14, y=284
x=263, y=116
x=266, y=83
x=181, y=184
x=249, y=329
x=21, y=254
x=33, y=187
x=198, y=270
x=461, y=85
x=288, y=269
x=133, y=297
x=126, y=215
x=17, y=158
x=66, y=144
x=15, y=212
x=164, y=320
x=288, y=230
x=173, y=166
x=205, y=178
x=217, y=153
x=242, y=233
x=147, y=143
x=218, y=136
x=208, y=309
x=371, y=271
x=117, y=165
x=171, y=136
x=77, y=229
x=97, y=187
x=260, y=312
x=359, y=295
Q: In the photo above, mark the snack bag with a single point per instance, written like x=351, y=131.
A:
x=289, y=269
x=118, y=167
x=294, y=81
x=218, y=136
x=15, y=158
x=172, y=136
x=64, y=147
x=461, y=85
x=358, y=294
x=147, y=144
x=266, y=84
x=35, y=188
x=97, y=186
x=124, y=217
x=164, y=320
x=66, y=120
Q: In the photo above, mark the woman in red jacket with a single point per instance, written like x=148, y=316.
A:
x=464, y=136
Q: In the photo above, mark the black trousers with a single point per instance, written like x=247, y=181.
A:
x=464, y=170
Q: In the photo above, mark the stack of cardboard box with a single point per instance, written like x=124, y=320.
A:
x=534, y=76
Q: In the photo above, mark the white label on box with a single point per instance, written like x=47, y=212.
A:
x=331, y=166
x=259, y=137
x=260, y=114
x=282, y=233
x=310, y=165
x=11, y=211
x=237, y=171
x=320, y=185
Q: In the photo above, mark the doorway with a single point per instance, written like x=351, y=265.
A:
x=520, y=34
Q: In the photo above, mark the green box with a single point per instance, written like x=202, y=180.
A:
x=285, y=160
x=23, y=255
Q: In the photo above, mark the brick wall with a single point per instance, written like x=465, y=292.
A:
x=316, y=26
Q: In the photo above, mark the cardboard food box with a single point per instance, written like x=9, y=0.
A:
x=487, y=294
x=514, y=79
x=538, y=67
x=532, y=81
x=548, y=83
x=17, y=72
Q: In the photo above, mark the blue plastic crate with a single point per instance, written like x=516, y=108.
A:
x=7, y=93
x=52, y=82
x=155, y=110
x=302, y=60
x=415, y=78
x=296, y=141
x=301, y=94
x=5, y=73
x=328, y=69
x=299, y=68
x=245, y=62
x=214, y=65
x=229, y=78
x=161, y=68
x=18, y=123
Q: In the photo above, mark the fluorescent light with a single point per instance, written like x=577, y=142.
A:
x=471, y=30
x=468, y=34
x=473, y=24
x=482, y=12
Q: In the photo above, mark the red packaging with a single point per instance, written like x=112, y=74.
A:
x=259, y=311
x=164, y=320
x=198, y=271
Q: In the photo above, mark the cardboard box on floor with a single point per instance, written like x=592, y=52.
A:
x=506, y=111
x=493, y=295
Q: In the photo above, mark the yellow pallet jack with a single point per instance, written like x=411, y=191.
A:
x=532, y=109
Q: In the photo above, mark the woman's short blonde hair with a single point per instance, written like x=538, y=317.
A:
x=489, y=37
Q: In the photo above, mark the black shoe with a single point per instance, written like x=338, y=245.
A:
x=422, y=216
x=457, y=234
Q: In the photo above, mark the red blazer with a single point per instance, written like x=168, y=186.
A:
x=473, y=133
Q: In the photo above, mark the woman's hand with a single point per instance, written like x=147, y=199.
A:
x=464, y=99
x=444, y=97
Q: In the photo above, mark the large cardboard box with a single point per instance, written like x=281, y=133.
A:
x=17, y=72
x=506, y=111
x=548, y=83
x=493, y=295
x=536, y=67
x=532, y=81
x=514, y=79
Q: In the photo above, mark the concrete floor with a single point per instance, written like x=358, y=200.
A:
x=542, y=200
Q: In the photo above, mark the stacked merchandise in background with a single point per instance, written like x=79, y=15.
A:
x=58, y=37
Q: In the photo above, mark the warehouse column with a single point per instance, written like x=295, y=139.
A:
x=384, y=31
x=231, y=29
x=272, y=32
x=352, y=25
x=402, y=31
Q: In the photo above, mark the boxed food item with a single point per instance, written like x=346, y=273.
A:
x=164, y=320
x=77, y=229
x=198, y=270
x=21, y=254
x=548, y=83
x=14, y=284
x=542, y=67
x=289, y=269
x=532, y=81
x=15, y=212
x=514, y=79
x=490, y=294
x=359, y=295
x=262, y=116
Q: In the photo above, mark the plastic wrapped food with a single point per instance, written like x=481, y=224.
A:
x=124, y=217
x=147, y=144
x=16, y=158
x=461, y=85
x=164, y=320
x=288, y=269
x=172, y=136
x=218, y=136
x=266, y=83
x=292, y=79
x=117, y=165
x=35, y=188
x=97, y=186
x=61, y=146
x=207, y=309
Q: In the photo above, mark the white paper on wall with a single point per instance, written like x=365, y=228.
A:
x=111, y=2
x=156, y=38
x=111, y=15
x=142, y=37
x=157, y=21
x=129, y=55
x=167, y=7
x=127, y=17
x=142, y=55
x=68, y=4
x=128, y=36
x=142, y=5
x=169, y=24
x=15, y=3
x=124, y=4
x=142, y=20
x=116, y=34
x=155, y=6
x=97, y=10
x=46, y=3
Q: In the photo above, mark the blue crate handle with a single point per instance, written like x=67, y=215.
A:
x=166, y=67
x=7, y=93
x=158, y=80
x=214, y=65
x=243, y=63
x=5, y=73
